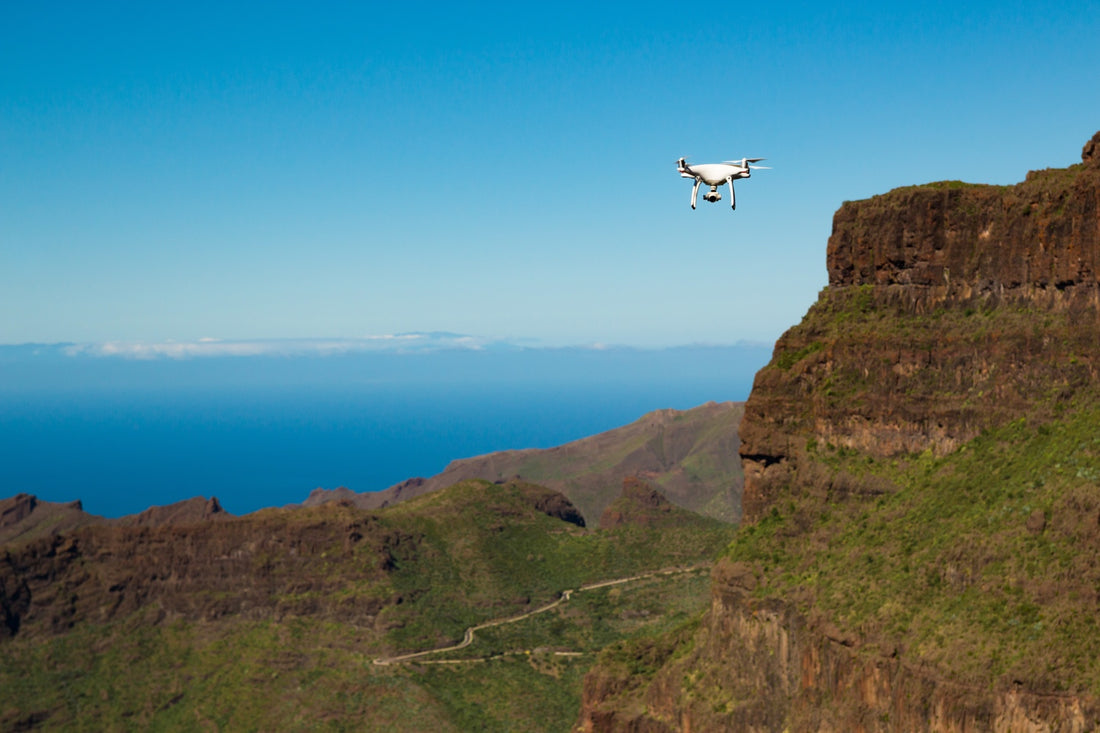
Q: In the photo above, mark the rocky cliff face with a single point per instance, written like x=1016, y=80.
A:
x=262, y=566
x=333, y=562
x=952, y=311
x=764, y=667
x=891, y=359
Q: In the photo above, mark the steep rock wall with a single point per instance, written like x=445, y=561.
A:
x=950, y=309
x=760, y=666
x=256, y=567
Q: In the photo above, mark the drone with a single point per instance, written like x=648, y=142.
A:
x=715, y=174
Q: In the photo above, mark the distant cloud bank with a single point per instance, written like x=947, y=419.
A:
x=398, y=343
x=210, y=347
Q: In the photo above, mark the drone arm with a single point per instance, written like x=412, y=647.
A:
x=695, y=191
x=733, y=199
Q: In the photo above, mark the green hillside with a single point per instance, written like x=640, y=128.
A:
x=287, y=638
x=981, y=562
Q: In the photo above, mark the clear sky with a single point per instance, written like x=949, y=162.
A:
x=342, y=170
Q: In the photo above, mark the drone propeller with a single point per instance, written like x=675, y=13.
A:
x=761, y=167
x=744, y=162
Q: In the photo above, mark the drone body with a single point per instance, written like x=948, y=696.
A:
x=715, y=174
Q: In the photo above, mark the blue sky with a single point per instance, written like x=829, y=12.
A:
x=339, y=170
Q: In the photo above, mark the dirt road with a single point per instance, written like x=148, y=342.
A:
x=468, y=637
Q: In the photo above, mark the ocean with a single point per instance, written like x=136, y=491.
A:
x=122, y=436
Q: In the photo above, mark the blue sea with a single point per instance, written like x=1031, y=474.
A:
x=123, y=435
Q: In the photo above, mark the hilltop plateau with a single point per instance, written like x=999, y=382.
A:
x=921, y=537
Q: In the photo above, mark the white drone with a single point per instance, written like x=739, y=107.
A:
x=715, y=174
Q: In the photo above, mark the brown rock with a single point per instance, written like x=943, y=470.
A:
x=15, y=509
x=639, y=503
x=196, y=509
x=24, y=517
x=1091, y=151
x=922, y=260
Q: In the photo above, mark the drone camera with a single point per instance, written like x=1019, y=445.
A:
x=712, y=195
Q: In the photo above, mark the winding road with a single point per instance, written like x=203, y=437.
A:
x=468, y=637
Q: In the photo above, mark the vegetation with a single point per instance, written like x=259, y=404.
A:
x=980, y=561
x=451, y=559
x=471, y=561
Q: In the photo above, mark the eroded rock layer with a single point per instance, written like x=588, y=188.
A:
x=950, y=308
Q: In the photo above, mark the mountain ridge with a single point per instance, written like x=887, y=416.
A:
x=690, y=454
x=703, y=437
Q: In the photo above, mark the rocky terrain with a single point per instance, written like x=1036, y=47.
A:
x=186, y=566
x=24, y=517
x=922, y=509
x=691, y=455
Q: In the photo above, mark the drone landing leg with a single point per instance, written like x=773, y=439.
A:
x=733, y=199
x=695, y=192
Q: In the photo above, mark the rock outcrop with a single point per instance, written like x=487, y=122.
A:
x=761, y=667
x=639, y=503
x=194, y=562
x=952, y=310
x=195, y=509
x=924, y=261
x=25, y=517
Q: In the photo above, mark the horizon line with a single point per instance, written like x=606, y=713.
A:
x=396, y=343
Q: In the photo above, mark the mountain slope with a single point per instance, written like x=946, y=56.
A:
x=921, y=486
x=691, y=455
x=272, y=620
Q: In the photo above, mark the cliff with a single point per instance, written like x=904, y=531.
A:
x=333, y=562
x=950, y=308
x=921, y=498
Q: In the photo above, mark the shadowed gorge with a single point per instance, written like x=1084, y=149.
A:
x=921, y=499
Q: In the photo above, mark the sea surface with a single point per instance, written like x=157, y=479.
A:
x=123, y=436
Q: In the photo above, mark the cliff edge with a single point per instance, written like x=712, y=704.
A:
x=950, y=308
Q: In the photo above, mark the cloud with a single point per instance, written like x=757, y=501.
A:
x=211, y=347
